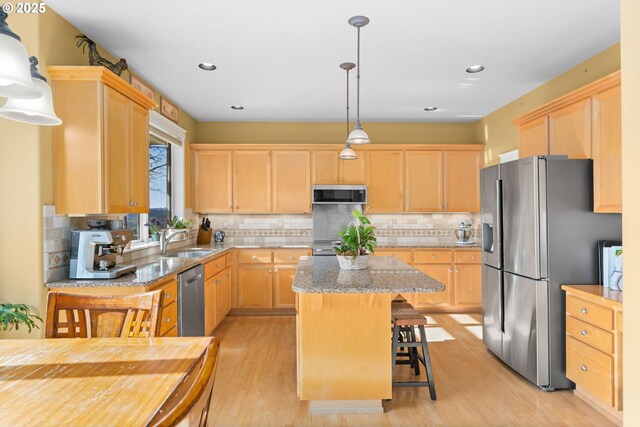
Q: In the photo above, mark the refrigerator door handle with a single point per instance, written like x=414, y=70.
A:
x=498, y=224
x=501, y=308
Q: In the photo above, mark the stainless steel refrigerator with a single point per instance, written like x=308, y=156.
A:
x=538, y=233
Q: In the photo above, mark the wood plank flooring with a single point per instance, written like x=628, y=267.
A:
x=256, y=384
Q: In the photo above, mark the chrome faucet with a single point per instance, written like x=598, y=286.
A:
x=164, y=240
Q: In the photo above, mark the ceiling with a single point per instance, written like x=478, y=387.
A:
x=280, y=58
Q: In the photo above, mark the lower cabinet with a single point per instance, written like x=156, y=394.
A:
x=217, y=291
x=255, y=286
x=468, y=289
x=442, y=273
x=283, y=295
x=168, y=318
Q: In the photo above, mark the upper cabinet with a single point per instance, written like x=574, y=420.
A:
x=328, y=169
x=584, y=124
x=101, y=150
x=252, y=181
x=385, y=181
x=291, y=181
x=279, y=178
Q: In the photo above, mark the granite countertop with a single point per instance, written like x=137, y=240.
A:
x=437, y=245
x=384, y=275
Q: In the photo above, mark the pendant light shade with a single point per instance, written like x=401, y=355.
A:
x=347, y=152
x=38, y=111
x=15, y=77
x=358, y=135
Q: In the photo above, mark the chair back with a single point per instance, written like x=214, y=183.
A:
x=97, y=316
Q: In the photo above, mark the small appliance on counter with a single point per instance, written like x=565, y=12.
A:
x=93, y=254
x=610, y=263
x=464, y=233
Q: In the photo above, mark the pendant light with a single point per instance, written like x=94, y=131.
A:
x=15, y=78
x=358, y=135
x=347, y=152
x=37, y=111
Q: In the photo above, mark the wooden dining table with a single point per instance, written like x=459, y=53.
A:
x=105, y=381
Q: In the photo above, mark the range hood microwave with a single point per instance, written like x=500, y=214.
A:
x=339, y=194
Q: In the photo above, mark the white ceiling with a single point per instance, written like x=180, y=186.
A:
x=280, y=58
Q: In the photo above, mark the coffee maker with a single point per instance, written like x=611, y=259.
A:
x=94, y=252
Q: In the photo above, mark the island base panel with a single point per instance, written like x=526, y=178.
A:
x=319, y=407
x=344, y=347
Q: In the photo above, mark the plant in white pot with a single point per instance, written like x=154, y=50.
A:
x=356, y=243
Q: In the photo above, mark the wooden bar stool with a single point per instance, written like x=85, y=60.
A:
x=406, y=319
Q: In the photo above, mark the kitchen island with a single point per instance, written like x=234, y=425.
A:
x=343, y=333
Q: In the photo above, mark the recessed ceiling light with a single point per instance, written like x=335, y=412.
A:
x=430, y=108
x=475, y=69
x=237, y=107
x=207, y=66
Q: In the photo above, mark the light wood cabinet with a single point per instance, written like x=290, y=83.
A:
x=607, y=151
x=385, y=180
x=209, y=305
x=462, y=181
x=212, y=171
x=220, y=283
x=255, y=286
x=570, y=130
x=534, y=138
x=252, y=181
x=101, y=150
x=468, y=289
x=291, y=181
x=283, y=295
x=328, y=169
x=442, y=273
x=424, y=181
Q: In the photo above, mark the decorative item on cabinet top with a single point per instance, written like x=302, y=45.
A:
x=96, y=59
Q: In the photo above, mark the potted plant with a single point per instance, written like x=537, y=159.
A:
x=156, y=225
x=356, y=243
x=179, y=223
x=14, y=315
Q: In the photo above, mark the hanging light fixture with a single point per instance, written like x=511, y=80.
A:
x=347, y=152
x=38, y=111
x=358, y=135
x=15, y=78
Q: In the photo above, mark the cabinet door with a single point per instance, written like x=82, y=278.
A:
x=212, y=181
x=139, y=148
x=468, y=284
x=423, y=181
x=570, y=130
x=462, y=181
x=325, y=167
x=220, y=280
x=534, y=138
x=442, y=273
x=607, y=151
x=284, y=297
x=385, y=178
x=228, y=290
x=252, y=181
x=209, y=305
x=354, y=172
x=117, y=133
x=255, y=286
x=291, y=181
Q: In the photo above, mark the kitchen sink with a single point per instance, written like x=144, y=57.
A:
x=189, y=254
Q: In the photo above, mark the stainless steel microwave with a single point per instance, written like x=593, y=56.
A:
x=339, y=194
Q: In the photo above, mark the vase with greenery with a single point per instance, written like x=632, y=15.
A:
x=156, y=226
x=14, y=315
x=357, y=242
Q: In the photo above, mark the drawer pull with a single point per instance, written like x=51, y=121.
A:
x=254, y=257
x=167, y=295
x=583, y=310
x=218, y=282
x=217, y=266
x=433, y=257
x=167, y=320
x=291, y=257
x=584, y=368
x=473, y=257
x=583, y=333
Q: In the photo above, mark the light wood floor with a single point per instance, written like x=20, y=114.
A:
x=256, y=384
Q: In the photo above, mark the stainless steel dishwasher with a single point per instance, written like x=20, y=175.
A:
x=191, y=302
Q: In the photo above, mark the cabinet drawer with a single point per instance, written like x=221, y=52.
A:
x=594, y=314
x=289, y=256
x=590, y=369
x=168, y=318
x=169, y=293
x=432, y=257
x=588, y=334
x=254, y=257
x=467, y=257
x=215, y=266
x=403, y=255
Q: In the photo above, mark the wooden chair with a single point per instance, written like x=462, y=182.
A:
x=93, y=316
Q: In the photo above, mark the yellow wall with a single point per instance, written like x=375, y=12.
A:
x=497, y=131
x=631, y=207
x=26, y=166
x=333, y=132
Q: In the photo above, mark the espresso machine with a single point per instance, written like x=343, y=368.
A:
x=94, y=252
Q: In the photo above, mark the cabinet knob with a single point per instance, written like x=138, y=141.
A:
x=218, y=282
x=450, y=270
x=167, y=295
x=291, y=257
x=584, y=368
x=473, y=257
x=268, y=271
x=217, y=266
x=583, y=333
x=433, y=257
x=167, y=320
x=583, y=310
x=254, y=257
x=456, y=270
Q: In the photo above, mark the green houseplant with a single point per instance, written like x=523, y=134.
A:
x=357, y=242
x=180, y=223
x=14, y=315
